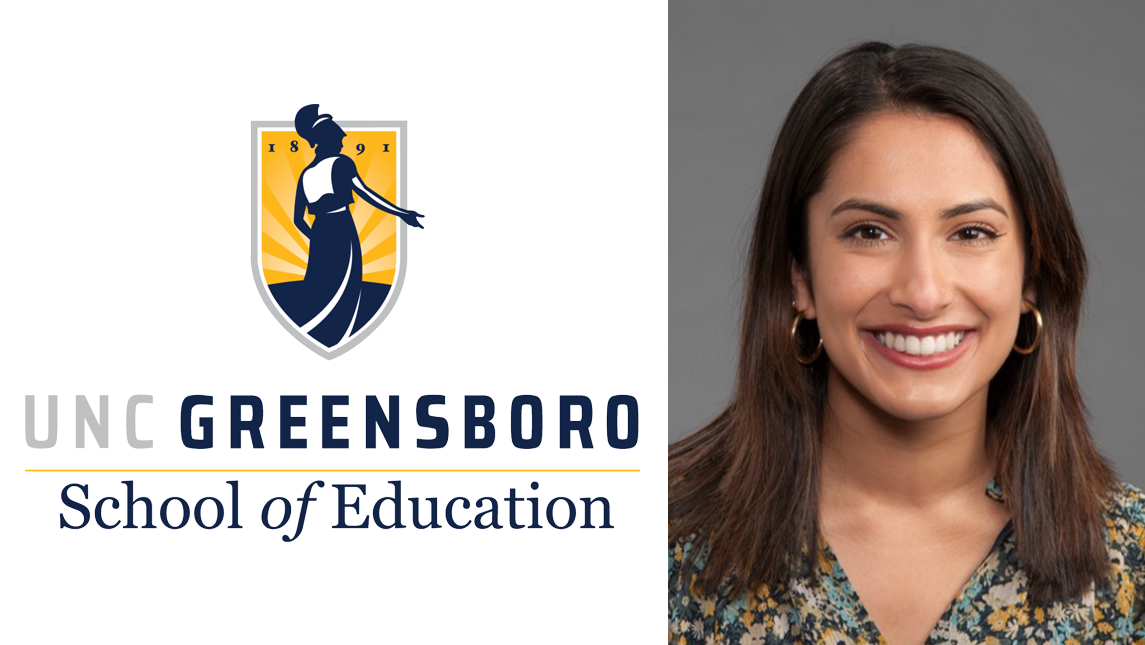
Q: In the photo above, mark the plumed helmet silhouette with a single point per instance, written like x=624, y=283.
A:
x=315, y=127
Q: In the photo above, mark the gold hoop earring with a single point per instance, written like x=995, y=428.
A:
x=803, y=360
x=1026, y=351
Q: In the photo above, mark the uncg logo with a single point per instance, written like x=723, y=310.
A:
x=328, y=224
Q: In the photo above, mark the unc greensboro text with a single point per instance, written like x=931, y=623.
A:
x=245, y=415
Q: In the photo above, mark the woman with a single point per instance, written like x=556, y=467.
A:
x=906, y=457
x=332, y=302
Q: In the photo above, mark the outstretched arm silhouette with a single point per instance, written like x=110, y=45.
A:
x=379, y=202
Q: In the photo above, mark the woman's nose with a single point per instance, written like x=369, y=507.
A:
x=923, y=281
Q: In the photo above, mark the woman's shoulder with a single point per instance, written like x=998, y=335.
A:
x=680, y=554
x=1125, y=518
x=1125, y=531
x=1126, y=503
x=340, y=165
x=692, y=617
x=343, y=161
x=685, y=554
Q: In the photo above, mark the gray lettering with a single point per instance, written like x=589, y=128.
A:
x=30, y=422
x=85, y=416
x=132, y=439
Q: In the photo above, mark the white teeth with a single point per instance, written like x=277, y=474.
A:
x=921, y=346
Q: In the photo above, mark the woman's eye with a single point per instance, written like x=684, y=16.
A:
x=867, y=233
x=975, y=234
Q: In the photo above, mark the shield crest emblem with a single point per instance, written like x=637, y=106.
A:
x=329, y=271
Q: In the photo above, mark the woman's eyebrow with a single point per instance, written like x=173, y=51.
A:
x=887, y=211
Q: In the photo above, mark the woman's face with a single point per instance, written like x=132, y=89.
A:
x=916, y=261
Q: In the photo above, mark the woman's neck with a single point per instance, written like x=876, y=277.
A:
x=869, y=457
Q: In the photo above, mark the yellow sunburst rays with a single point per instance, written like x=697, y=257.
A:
x=284, y=248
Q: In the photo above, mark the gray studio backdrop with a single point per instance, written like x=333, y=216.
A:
x=735, y=68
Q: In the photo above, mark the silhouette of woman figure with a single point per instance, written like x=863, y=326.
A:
x=331, y=303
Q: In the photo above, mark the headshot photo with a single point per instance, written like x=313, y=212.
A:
x=906, y=404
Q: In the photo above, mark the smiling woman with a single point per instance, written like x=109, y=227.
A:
x=906, y=403
x=922, y=271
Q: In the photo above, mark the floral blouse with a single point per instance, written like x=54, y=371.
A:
x=821, y=607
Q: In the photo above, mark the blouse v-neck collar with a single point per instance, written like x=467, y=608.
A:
x=845, y=608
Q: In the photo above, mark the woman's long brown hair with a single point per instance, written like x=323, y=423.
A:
x=745, y=488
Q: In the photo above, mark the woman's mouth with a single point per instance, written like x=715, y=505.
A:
x=923, y=351
x=920, y=345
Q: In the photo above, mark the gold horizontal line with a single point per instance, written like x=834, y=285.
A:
x=334, y=470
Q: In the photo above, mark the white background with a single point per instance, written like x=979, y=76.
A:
x=537, y=151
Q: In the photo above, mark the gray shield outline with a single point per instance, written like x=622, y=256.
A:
x=260, y=282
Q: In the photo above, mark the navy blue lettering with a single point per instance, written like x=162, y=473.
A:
x=163, y=512
x=572, y=513
x=534, y=403
x=285, y=513
x=70, y=503
x=432, y=513
x=305, y=499
x=329, y=422
x=614, y=404
x=513, y=499
x=286, y=421
x=252, y=425
x=342, y=506
x=387, y=424
x=206, y=423
x=493, y=510
x=449, y=512
x=218, y=513
x=131, y=501
x=99, y=513
x=533, y=502
x=485, y=421
x=427, y=420
x=234, y=505
x=568, y=426
x=397, y=500
x=588, y=512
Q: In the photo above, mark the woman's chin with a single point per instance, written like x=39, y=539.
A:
x=924, y=406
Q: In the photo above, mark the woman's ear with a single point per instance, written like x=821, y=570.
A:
x=1029, y=294
x=801, y=292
